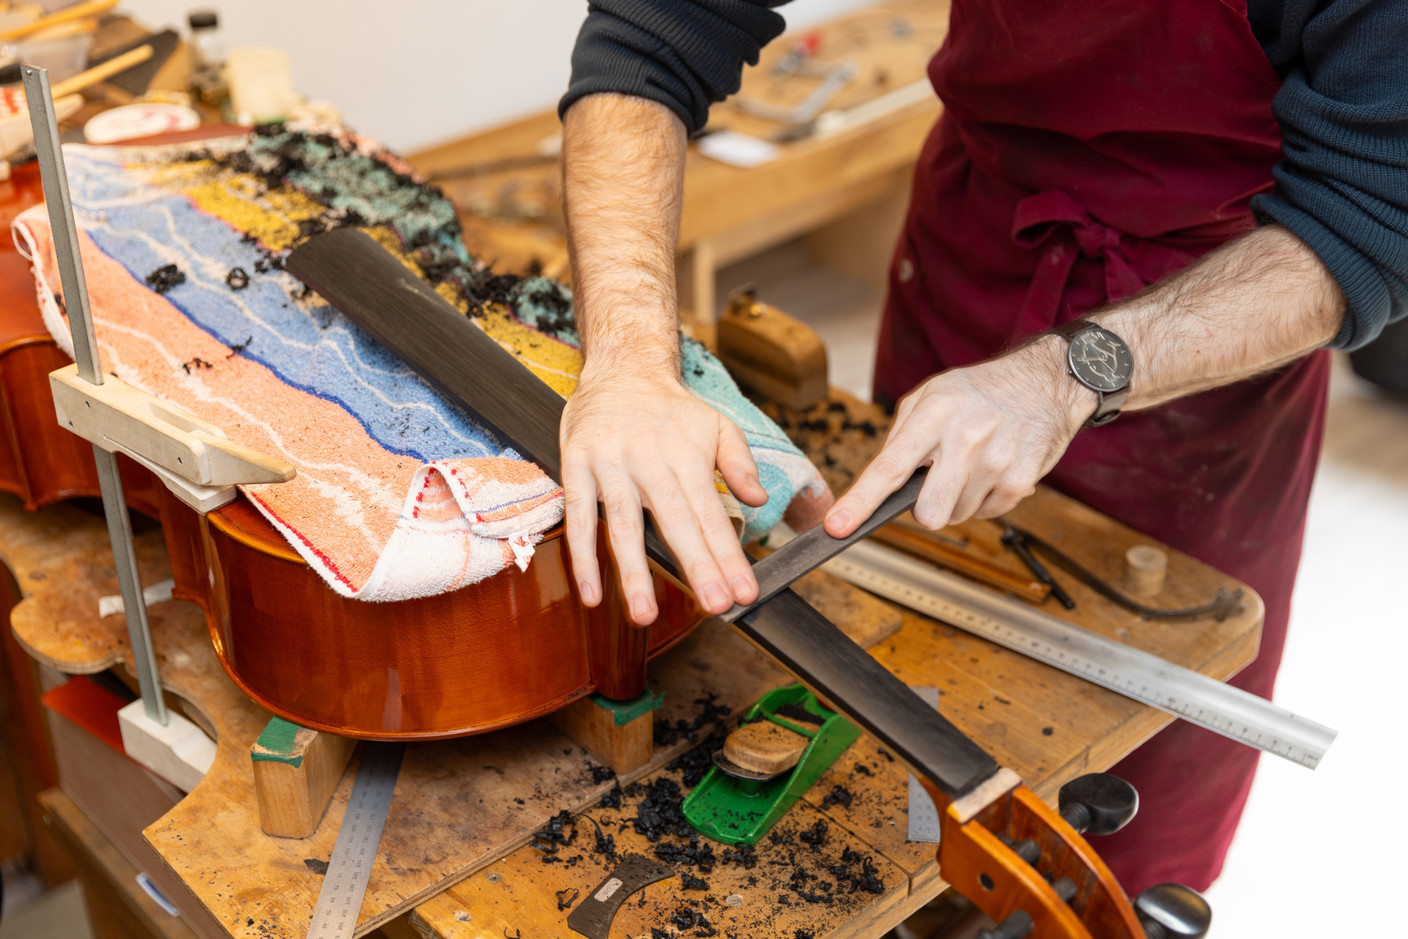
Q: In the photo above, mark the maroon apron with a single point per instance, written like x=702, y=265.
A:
x=1086, y=150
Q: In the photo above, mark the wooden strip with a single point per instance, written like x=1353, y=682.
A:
x=908, y=537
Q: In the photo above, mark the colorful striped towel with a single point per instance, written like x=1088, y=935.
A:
x=398, y=494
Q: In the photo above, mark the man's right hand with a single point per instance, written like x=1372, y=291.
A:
x=633, y=436
x=636, y=442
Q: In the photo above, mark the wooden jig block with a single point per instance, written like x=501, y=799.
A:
x=1144, y=569
x=191, y=456
x=619, y=734
x=295, y=773
x=775, y=355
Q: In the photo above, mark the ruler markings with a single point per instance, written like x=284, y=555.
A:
x=350, y=867
x=1132, y=672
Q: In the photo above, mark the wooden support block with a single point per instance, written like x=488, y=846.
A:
x=619, y=734
x=775, y=355
x=295, y=773
x=177, y=751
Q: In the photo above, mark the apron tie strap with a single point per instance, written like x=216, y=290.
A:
x=1061, y=223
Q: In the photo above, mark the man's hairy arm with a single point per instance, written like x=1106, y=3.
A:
x=992, y=430
x=633, y=436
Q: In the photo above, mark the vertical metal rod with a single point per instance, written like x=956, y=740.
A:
x=85, y=348
x=65, y=232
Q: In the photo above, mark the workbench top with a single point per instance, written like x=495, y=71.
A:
x=456, y=859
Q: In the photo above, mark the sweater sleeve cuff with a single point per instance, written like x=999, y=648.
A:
x=1368, y=298
x=685, y=54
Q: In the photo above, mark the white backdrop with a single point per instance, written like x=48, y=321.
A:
x=418, y=72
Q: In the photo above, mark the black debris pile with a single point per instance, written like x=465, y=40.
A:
x=659, y=813
x=695, y=762
x=743, y=855
x=605, y=845
x=695, y=852
x=815, y=836
x=856, y=872
x=165, y=277
x=839, y=795
x=687, y=916
x=560, y=831
x=689, y=882
x=812, y=888
x=710, y=713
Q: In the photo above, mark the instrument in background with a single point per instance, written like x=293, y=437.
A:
x=513, y=647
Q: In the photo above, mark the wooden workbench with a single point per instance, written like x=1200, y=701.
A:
x=455, y=861
x=845, y=191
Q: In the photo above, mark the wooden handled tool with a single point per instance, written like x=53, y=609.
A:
x=903, y=534
x=114, y=66
x=76, y=12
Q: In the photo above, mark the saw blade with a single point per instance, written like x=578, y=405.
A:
x=592, y=917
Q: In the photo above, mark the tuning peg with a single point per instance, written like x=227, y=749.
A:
x=1098, y=803
x=1173, y=911
x=1016, y=926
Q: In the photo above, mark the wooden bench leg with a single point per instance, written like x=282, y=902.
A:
x=295, y=773
x=619, y=734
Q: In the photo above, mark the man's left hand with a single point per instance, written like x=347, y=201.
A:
x=989, y=432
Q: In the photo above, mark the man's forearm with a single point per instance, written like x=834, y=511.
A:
x=992, y=430
x=633, y=436
x=1254, y=305
x=623, y=168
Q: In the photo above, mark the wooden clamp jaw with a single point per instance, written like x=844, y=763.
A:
x=193, y=457
x=976, y=858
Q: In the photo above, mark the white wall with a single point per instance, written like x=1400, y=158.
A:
x=418, y=72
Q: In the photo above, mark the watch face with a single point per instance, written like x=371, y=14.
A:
x=1100, y=359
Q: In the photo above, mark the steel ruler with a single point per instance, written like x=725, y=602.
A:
x=1131, y=672
x=345, y=883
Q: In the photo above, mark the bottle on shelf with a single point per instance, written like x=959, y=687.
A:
x=207, y=53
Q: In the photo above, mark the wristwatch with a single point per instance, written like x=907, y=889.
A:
x=1100, y=361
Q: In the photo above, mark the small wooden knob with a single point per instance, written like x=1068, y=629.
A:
x=1144, y=570
x=765, y=747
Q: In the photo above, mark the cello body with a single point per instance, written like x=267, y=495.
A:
x=513, y=647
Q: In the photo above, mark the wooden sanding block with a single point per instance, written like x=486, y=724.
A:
x=771, y=353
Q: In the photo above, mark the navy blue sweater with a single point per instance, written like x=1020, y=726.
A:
x=1342, y=185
